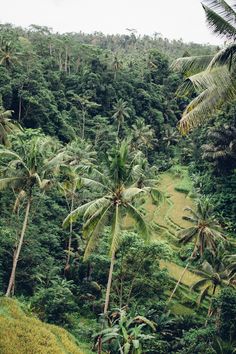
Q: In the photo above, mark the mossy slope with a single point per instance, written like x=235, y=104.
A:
x=22, y=334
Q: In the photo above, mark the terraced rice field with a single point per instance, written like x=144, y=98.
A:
x=167, y=221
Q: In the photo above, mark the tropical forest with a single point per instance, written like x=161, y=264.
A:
x=118, y=191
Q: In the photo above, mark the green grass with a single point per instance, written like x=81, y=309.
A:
x=25, y=334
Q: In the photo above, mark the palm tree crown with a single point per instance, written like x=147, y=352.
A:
x=117, y=196
x=205, y=231
x=121, y=111
x=7, y=126
x=32, y=164
x=211, y=279
x=212, y=77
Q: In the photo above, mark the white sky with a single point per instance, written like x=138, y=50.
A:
x=172, y=18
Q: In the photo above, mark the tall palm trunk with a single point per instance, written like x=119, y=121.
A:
x=182, y=275
x=19, y=108
x=108, y=291
x=178, y=282
x=118, y=128
x=209, y=312
x=18, y=249
x=70, y=235
x=83, y=124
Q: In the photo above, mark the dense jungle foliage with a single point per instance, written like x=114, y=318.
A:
x=94, y=179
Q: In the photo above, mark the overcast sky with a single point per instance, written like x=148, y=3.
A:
x=172, y=18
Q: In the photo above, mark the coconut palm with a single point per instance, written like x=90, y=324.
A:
x=71, y=183
x=8, y=55
x=31, y=167
x=7, y=125
x=117, y=197
x=211, y=279
x=121, y=111
x=171, y=136
x=212, y=77
x=221, y=150
x=116, y=65
x=142, y=135
x=231, y=267
x=79, y=153
x=205, y=232
x=78, y=158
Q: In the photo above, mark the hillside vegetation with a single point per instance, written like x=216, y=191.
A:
x=24, y=334
x=117, y=194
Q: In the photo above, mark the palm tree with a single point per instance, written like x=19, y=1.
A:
x=205, y=232
x=221, y=150
x=116, y=198
x=142, y=135
x=212, y=76
x=84, y=105
x=116, y=65
x=211, y=279
x=171, y=136
x=33, y=165
x=79, y=152
x=69, y=186
x=7, y=125
x=231, y=267
x=78, y=158
x=121, y=111
x=8, y=55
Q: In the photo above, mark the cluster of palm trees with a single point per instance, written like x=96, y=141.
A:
x=114, y=190
x=118, y=191
x=207, y=236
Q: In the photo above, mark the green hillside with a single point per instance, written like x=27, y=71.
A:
x=24, y=334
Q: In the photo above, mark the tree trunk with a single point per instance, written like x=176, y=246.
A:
x=182, y=275
x=178, y=282
x=109, y=283
x=18, y=250
x=209, y=312
x=66, y=57
x=19, y=109
x=118, y=129
x=83, y=126
x=70, y=236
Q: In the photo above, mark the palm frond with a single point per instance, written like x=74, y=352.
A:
x=88, y=182
x=115, y=231
x=95, y=205
x=130, y=193
x=206, y=103
x=203, y=294
x=217, y=78
x=221, y=26
x=192, y=65
x=139, y=219
x=142, y=319
x=9, y=181
x=76, y=213
x=11, y=154
x=223, y=57
x=197, y=284
x=187, y=234
x=222, y=7
x=96, y=229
